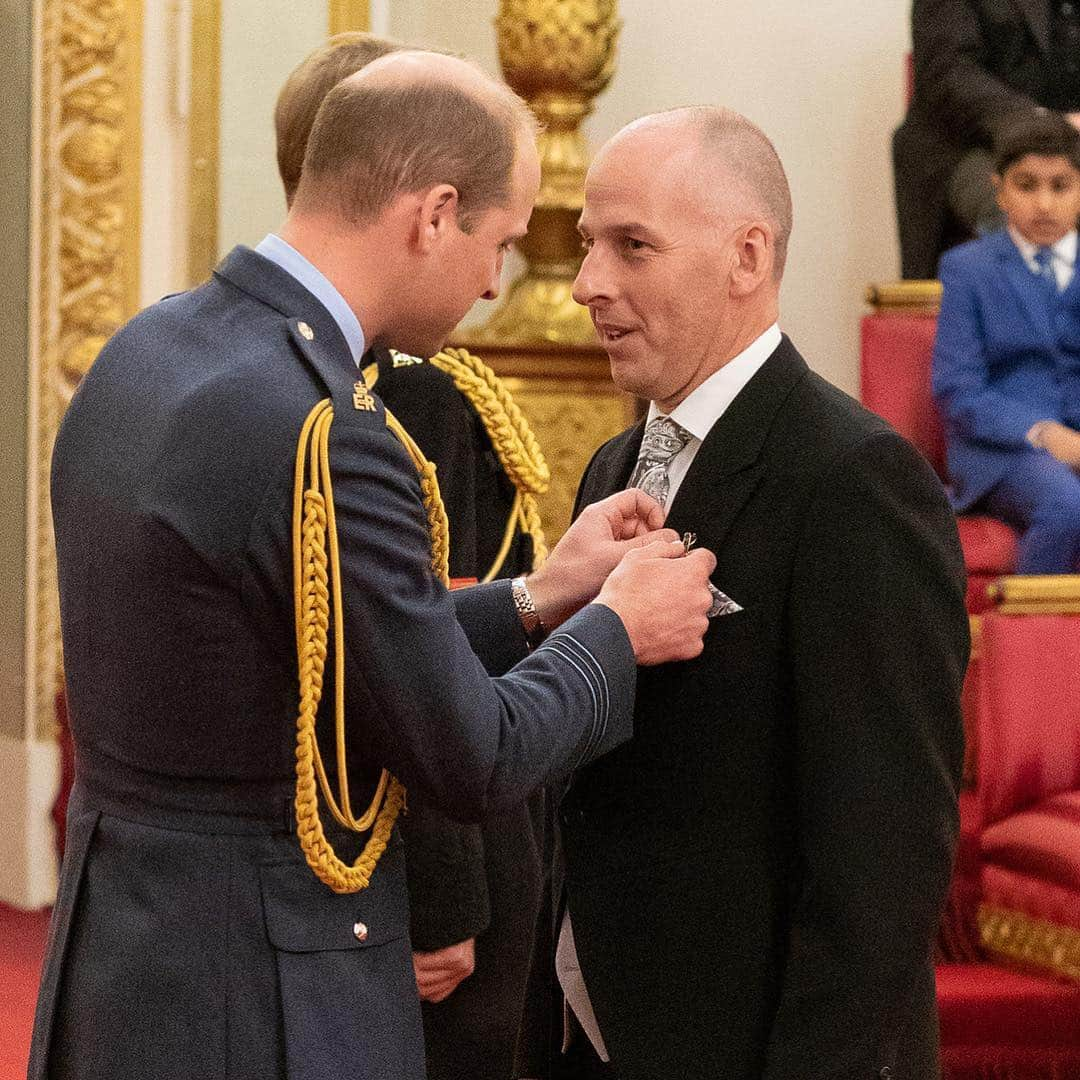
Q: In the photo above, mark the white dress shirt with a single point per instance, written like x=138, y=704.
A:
x=697, y=413
x=1062, y=256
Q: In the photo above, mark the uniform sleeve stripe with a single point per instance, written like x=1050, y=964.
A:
x=571, y=649
x=595, y=666
x=558, y=650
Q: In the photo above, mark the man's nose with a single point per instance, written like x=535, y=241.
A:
x=588, y=284
x=495, y=284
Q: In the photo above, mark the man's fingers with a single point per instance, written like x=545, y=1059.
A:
x=704, y=556
x=655, y=549
x=666, y=536
x=439, y=993
x=631, y=513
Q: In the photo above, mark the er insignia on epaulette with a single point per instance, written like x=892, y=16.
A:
x=403, y=359
x=361, y=399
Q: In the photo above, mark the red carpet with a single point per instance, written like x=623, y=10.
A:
x=22, y=945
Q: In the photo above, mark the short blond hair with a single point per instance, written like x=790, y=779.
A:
x=373, y=141
x=307, y=85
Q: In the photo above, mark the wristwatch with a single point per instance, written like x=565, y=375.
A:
x=535, y=630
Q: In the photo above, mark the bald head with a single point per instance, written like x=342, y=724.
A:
x=409, y=121
x=731, y=165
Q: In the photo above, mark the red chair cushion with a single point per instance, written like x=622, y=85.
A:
x=983, y=1005
x=1042, y=843
x=1029, y=712
x=989, y=545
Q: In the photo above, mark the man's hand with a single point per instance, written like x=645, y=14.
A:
x=590, y=549
x=438, y=973
x=661, y=593
x=1059, y=441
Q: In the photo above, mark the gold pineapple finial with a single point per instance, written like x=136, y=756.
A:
x=558, y=55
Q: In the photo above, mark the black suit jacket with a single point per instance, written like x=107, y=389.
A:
x=755, y=879
x=977, y=63
x=189, y=937
x=468, y=880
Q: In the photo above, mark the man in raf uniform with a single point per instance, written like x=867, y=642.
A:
x=474, y=889
x=198, y=560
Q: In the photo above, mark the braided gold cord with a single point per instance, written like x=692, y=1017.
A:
x=317, y=585
x=515, y=444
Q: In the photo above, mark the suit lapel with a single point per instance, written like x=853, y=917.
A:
x=729, y=465
x=613, y=466
x=1030, y=289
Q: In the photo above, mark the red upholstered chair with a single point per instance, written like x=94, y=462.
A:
x=1028, y=762
x=1013, y=1013
x=897, y=342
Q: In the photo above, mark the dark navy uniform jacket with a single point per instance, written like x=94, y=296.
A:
x=189, y=936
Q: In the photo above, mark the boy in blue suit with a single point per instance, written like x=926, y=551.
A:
x=1006, y=369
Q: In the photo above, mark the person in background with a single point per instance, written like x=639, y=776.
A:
x=474, y=889
x=977, y=64
x=1006, y=365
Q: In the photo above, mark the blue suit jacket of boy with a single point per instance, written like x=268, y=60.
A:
x=1007, y=355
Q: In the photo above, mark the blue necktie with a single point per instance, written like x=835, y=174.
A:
x=1045, y=258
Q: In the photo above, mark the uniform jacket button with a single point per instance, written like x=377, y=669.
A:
x=886, y=1073
x=359, y=931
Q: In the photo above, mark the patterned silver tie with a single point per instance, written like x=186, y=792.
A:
x=663, y=439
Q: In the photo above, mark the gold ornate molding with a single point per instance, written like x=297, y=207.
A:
x=558, y=55
x=1019, y=938
x=905, y=296
x=348, y=15
x=1037, y=594
x=85, y=253
x=204, y=139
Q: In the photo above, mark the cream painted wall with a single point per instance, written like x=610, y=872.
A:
x=260, y=45
x=824, y=80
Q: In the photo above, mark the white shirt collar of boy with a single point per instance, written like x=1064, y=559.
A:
x=1062, y=255
x=704, y=405
x=290, y=260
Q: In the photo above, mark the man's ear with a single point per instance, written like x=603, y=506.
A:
x=998, y=183
x=436, y=215
x=755, y=252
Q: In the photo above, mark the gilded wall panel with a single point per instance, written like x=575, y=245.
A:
x=85, y=254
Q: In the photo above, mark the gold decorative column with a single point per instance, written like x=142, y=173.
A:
x=86, y=152
x=558, y=55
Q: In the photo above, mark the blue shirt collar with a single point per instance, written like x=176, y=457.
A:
x=290, y=260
